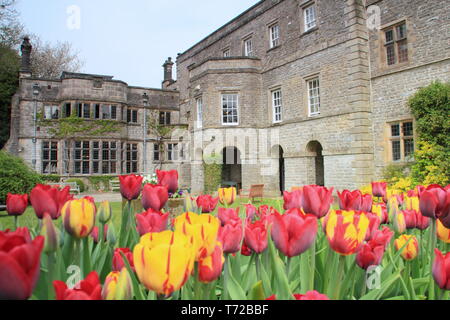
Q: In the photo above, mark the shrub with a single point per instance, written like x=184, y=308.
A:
x=101, y=183
x=432, y=164
x=50, y=178
x=79, y=182
x=15, y=176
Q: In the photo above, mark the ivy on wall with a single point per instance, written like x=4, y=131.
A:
x=212, y=168
x=73, y=126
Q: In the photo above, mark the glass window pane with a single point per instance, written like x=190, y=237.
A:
x=395, y=130
x=396, y=153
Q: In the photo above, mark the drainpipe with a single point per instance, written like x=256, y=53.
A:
x=36, y=90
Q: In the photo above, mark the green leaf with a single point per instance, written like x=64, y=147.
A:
x=137, y=289
x=257, y=292
x=234, y=289
x=377, y=293
x=278, y=267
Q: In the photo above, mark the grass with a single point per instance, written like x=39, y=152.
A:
x=29, y=219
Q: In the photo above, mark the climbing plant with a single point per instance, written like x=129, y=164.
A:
x=212, y=169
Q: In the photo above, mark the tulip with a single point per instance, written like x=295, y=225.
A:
x=111, y=235
x=317, y=200
x=16, y=204
x=399, y=222
x=379, y=189
x=130, y=186
x=118, y=263
x=151, y=221
x=104, y=212
x=346, y=231
x=210, y=267
x=50, y=233
x=412, y=203
x=293, y=234
x=231, y=235
x=245, y=250
x=350, y=200
x=250, y=211
x=411, y=250
x=256, y=236
x=202, y=228
x=168, y=179
x=434, y=201
x=381, y=211
x=441, y=269
x=422, y=221
x=369, y=255
x=443, y=233
x=118, y=286
x=311, y=295
x=19, y=263
x=381, y=238
x=79, y=217
x=207, y=203
x=392, y=207
x=410, y=218
x=88, y=289
x=227, y=214
x=46, y=199
x=227, y=195
x=292, y=199
x=154, y=197
x=164, y=261
x=94, y=233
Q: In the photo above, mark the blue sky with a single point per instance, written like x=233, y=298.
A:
x=129, y=40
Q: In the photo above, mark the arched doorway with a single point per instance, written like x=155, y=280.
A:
x=231, y=167
x=315, y=149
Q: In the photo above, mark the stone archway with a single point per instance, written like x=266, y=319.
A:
x=315, y=149
x=232, y=166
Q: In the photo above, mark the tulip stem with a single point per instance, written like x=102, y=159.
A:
x=50, y=270
x=313, y=266
x=258, y=266
x=288, y=266
x=197, y=284
x=339, y=278
x=226, y=277
x=431, y=295
x=16, y=222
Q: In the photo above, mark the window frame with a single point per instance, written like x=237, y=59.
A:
x=222, y=109
x=275, y=106
x=401, y=139
x=248, y=53
x=309, y=97
x=306, y=9
x=274, y=42
x=392, y=45
x=199, y=108
x=53, y=109
x=173, y=151
x=53, y=163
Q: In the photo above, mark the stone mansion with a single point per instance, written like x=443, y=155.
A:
x=315, y=90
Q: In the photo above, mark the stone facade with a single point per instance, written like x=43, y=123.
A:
x=339, y=83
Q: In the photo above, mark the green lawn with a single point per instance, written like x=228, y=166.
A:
x=29, y=219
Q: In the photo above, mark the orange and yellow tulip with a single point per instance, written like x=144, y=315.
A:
x=227, y=195
x=78, y=217
x=411, y=250
x=411, y=203
x=203, y=229
x=210, y=267
x=346, y=231
x=442, y=232
x=164, y=261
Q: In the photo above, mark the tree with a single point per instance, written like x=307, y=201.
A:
x=11, y=29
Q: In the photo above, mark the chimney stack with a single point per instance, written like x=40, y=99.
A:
x=168, y=80
x=25, y=48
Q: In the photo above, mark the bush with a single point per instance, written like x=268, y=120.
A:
x=51, y=178
x=101, y=183
x=432, y=164
x=15, y=176
x=79, y=182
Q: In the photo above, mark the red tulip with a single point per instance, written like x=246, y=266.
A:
x=311, y=295
x=256, y=236
x=88, y=289
x=292, y=199
x=151, y=221
x=19, y=263
x=366, y=203
x=250, y=211
x=245, y=250
x=130, y=186
x=317, y=200
x=369, y=255
x=434, y=203
x=207, y=203
x=293, y=234
x=381, y=238
x=230, y=235
x=94, y=233
x=46, y=199
x=154, y=197
x=379, y=189
x=422, y=221
x=410, y=218
x=441, y=269
x=16, y=204
x=226, y=214
x=210, y=267
x=118, y=263
x=349, y=200
x=168, y=179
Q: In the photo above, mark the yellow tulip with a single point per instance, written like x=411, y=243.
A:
x=203, y=229
x=411, y=250
x=442, y=232
x=227, y=195
x=412, y=203
x=399, y=222
x=78, y=217
x=346, y=231
x=104, y=212
x=118, y=286
x=163, y=261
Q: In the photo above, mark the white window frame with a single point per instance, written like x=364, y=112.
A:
x=172, y=152
x=310, y=17
x=52, y=109
x=277, y=106
x=312, y=94
x=227, y=53
x=199, y=104
x=274, y=32
x=222, y=96
x=248, y=47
